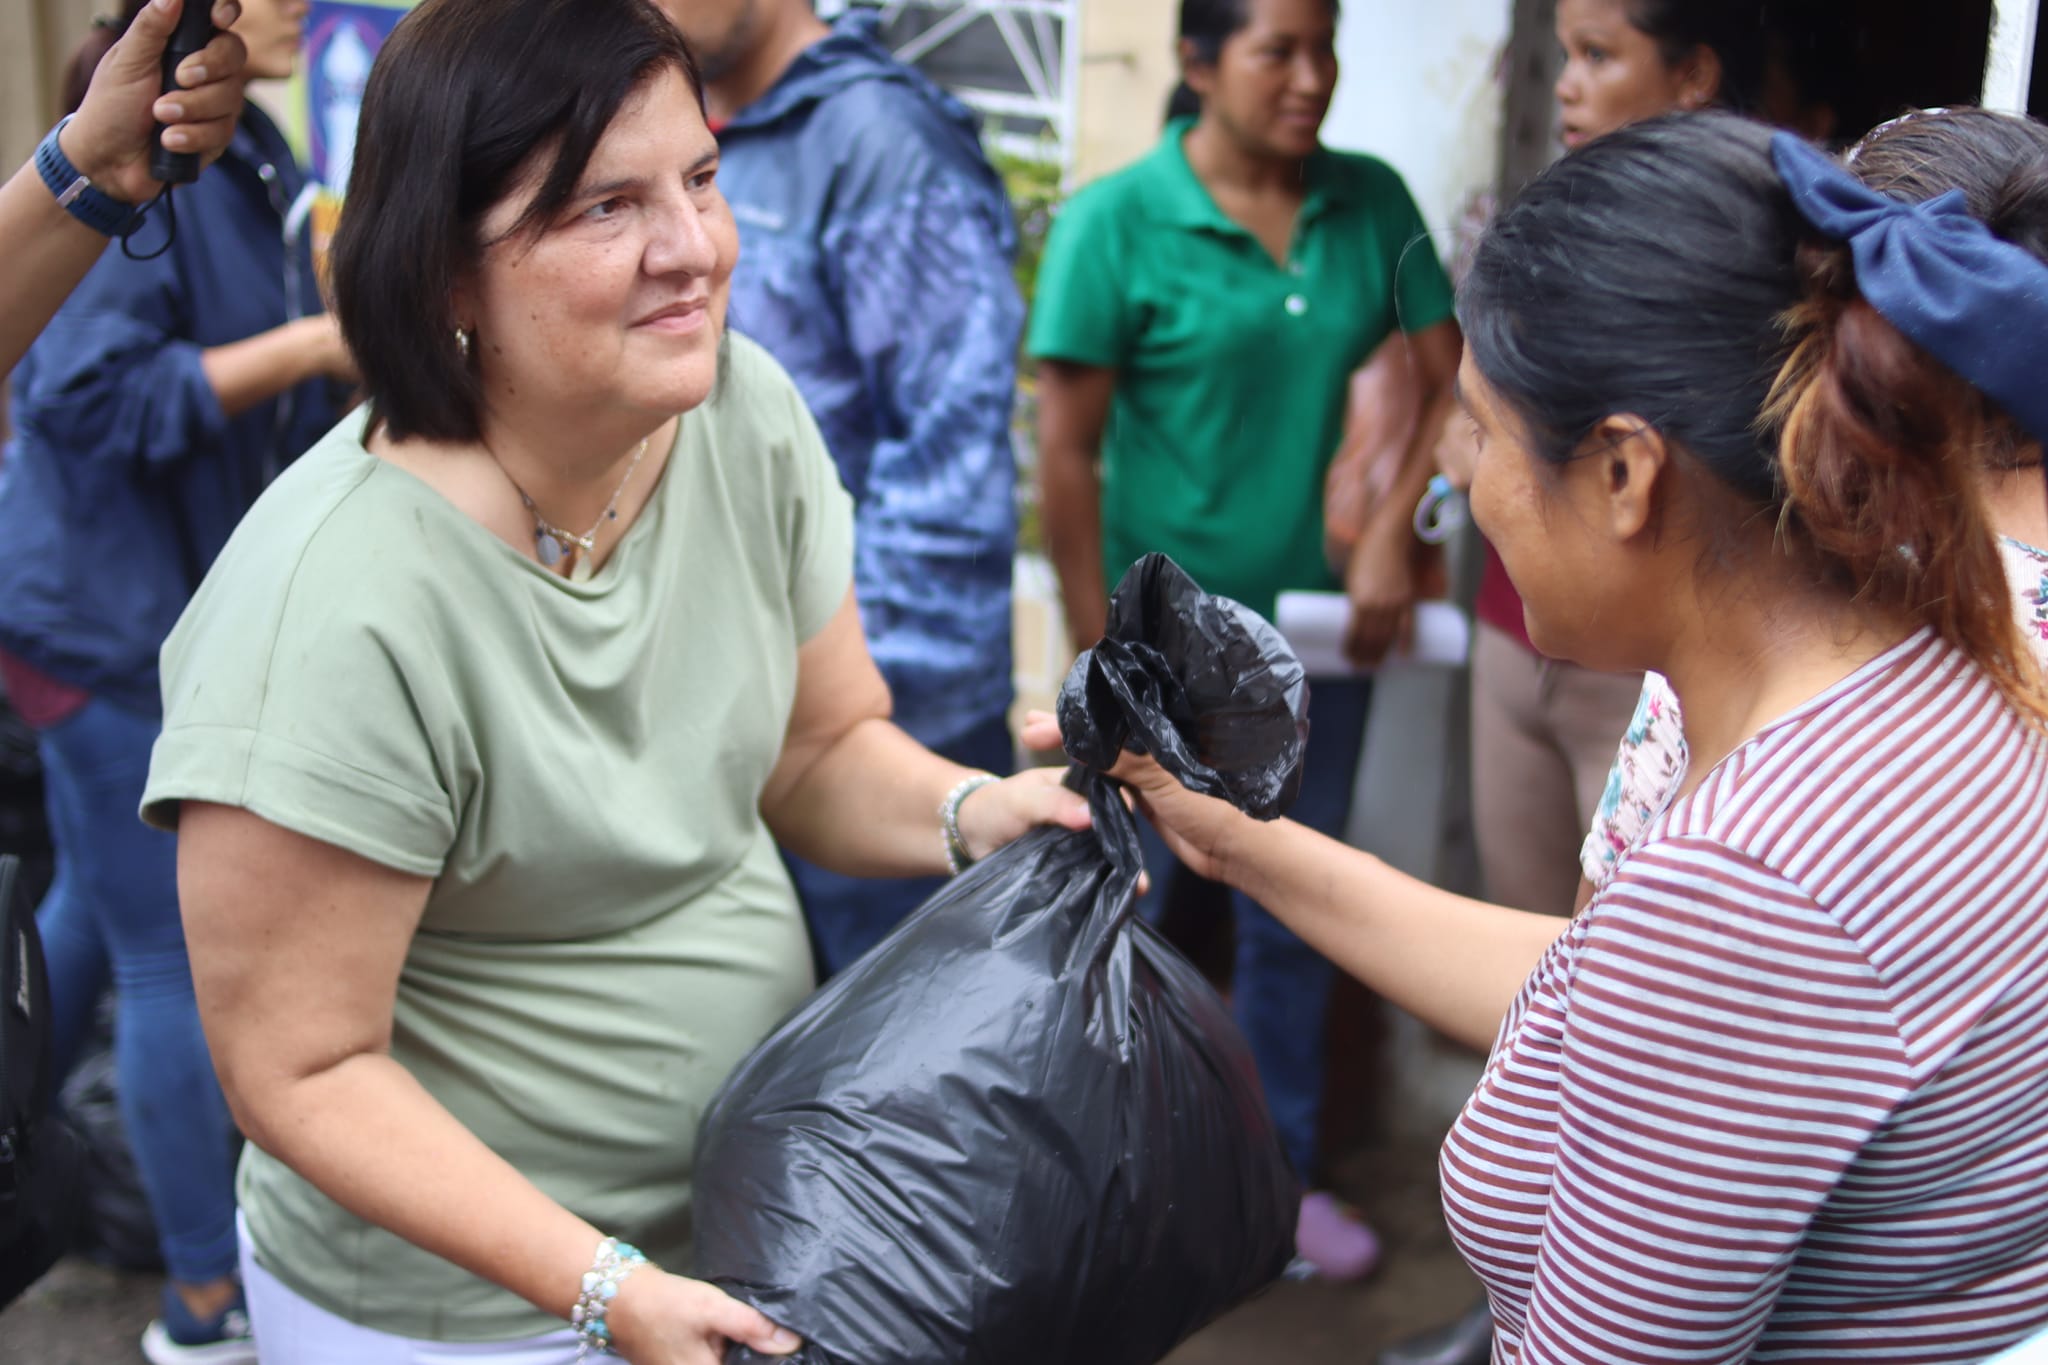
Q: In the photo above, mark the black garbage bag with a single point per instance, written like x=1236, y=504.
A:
x=1024, y=1130
x=24, y=828
x=116, y=1226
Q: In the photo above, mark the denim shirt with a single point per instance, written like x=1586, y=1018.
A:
x=124, y=477
x=875, y=265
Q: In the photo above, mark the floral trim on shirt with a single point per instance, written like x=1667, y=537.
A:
x=1647, y=772
x=1651, y=765
x=2026, y=569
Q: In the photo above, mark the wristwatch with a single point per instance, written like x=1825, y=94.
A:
x=76, y=194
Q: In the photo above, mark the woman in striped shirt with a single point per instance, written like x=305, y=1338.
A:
x=1995, y=160
x=1778, y=1093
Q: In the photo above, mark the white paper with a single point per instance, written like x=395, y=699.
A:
x=1314, y=623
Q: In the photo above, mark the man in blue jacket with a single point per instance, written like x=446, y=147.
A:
x=160, y=401
x=875, y=264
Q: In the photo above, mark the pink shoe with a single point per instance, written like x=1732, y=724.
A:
x=1334, y=1239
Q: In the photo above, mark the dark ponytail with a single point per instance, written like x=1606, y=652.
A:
x=1858, y=404
x=1663, y=271
x=1878, y=446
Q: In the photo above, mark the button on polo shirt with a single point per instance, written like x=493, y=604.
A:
x=1232, y=367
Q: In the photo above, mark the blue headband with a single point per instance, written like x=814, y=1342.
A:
x=1974, y=302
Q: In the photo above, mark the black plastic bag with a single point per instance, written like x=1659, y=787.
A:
x=1024, y=1130
x=39, y=1156
x=117, y=1227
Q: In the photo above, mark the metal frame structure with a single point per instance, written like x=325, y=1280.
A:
x=1042, y=41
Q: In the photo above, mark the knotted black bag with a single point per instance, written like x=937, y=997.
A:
x=1023, y=1129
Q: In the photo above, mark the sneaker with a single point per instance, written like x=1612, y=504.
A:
x=1334, y=1239
x=178, y=1338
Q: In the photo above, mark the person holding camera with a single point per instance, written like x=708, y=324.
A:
x=164, y=395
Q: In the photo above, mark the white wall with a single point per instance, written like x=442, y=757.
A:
x=1420, y=88
x=2009, y=66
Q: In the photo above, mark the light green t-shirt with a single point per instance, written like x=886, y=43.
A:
x=1232, y=368
x=576, y=765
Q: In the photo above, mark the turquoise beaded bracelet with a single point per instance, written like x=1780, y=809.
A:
x=615, y=1260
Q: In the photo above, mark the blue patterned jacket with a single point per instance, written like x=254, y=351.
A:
x=875, y=263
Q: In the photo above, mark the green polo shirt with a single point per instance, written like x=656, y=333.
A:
x=1232, y=369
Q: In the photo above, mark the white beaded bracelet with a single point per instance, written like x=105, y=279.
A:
x=615, y=1260
x=957, y=856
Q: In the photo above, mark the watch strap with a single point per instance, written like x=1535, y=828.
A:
x=76, y=194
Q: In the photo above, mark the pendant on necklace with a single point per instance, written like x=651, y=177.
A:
x=548, y=548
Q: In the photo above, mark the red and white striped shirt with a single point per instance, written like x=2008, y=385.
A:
x=1781, y=1091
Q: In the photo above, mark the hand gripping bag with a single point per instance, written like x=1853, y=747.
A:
x=1023, y=1130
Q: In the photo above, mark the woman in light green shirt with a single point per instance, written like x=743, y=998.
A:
x=482, y=732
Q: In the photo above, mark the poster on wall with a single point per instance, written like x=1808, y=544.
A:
x=342, y=40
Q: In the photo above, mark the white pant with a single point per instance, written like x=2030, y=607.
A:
x=291, y=1331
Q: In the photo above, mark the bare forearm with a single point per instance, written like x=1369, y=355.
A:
x=869, y=805
x=1070, y=494
x=258, y=368
x=368, y=1136
x=46, y=253
x=1453, y=962
x=1395, y=513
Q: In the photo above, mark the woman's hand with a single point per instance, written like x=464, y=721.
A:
x=1381, y=583
x=112, y=135
x=1200, y=830
x=1000, y=812
x=664, y=1319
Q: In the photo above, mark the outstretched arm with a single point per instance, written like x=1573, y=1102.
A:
x=1453, y=962
x=44, y=251
x=854, y=793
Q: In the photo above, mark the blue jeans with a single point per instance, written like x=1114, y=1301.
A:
x=1280, y=987
x=849, y=915
x=112, y=912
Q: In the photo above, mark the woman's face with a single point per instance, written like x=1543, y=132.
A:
x=1272, y=81
x=271, y=30
x=617, y=306
x=1615, y=74
x=1541, y=519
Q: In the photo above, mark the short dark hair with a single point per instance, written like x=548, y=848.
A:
x=1209, y=24
x=1737, y=32
x=461, y=100
x=1663, y=272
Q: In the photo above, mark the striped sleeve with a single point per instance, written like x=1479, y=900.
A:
x=1728, y=1052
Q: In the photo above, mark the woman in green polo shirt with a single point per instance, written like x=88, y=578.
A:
x=1199, y=317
